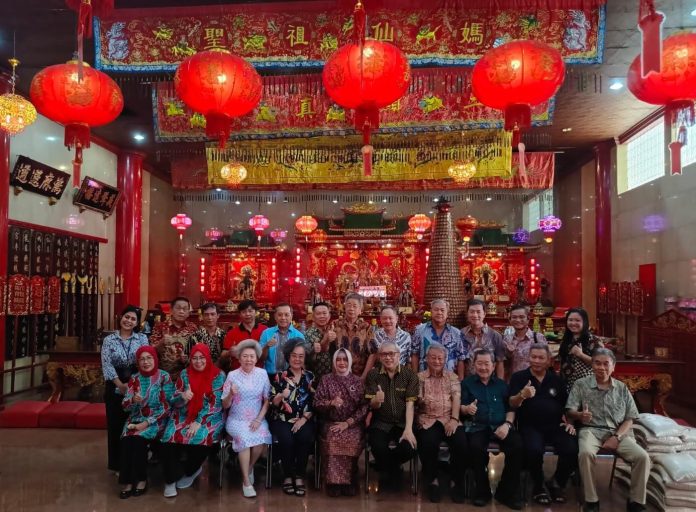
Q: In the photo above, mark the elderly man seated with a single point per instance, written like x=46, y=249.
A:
x=606, y=410
x=438, y=421
x=538, y=395
x=392, y=390
x=485, y=401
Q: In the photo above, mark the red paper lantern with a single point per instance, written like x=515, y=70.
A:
x=319, y=236
x=59, y=94
x=674, y=87
x=515, y=76
x=419, y=223
x=411, y=237
x=366, y=75
x=213, y=234
x=306, y=224
x=259, y=223
x=181, y=222
x=219, y=85
x=278, y=235
x=466, y=226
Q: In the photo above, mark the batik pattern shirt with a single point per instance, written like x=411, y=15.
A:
x=450, y=338
x=156, y=393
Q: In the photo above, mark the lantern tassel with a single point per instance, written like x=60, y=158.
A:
x=77, y=135
x=650, y=25
x=522, y=167
x=675, y=148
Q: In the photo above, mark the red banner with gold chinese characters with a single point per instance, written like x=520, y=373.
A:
x=18, y=295
x=53, y=295
x=36, y=301
x=304, y=34
x=439, y=99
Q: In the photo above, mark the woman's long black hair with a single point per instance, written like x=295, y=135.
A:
x=568, y=340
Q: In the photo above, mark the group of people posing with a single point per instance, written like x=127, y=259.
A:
x=343, y=381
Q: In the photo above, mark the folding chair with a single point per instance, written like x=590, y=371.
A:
x=269, y=465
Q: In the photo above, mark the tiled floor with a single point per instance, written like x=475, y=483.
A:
x=65, y=471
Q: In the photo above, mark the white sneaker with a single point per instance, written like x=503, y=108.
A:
x=187, y=481
x=170, y=490
x=248, y=491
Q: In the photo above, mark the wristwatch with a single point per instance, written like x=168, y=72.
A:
x=509, y=424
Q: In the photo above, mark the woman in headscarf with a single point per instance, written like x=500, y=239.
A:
x=147, y=403
x=340, y=401
x=291, y=416
x=245, y=392
x=195, y=423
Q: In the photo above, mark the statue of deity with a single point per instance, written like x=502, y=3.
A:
x=247, y=286
x=520, y=285
x=406, y=299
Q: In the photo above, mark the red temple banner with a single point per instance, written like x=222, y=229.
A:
x=273, y=36
x=18, y=295
x=53, y=295
x=439, y=99
x=36, y=301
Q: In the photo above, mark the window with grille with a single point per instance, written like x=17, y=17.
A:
x=689, y=151
x=645, y=157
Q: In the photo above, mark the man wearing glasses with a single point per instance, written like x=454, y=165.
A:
x=392, y=390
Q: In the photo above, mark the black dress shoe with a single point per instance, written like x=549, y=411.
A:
x=632, y=506
x=140, y=492
x=434, y=494
x=481, y=501
x=591, y=506
x=124, y=495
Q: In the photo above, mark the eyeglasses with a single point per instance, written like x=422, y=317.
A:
x=198, y=359
x=388, y=354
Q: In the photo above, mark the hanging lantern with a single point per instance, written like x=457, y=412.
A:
x=79, y=104
x=466, y=226
x=16, y=112
x=319, y=236
x=419, y=223
x=462, y=172
x=278, y=235
x=521, y=236
x=213, y=234
x=219, y=85
x=411, y=237
x=514, y=77
x=674, y=87
x=85, y=9
x=233, y=173
x=306, y=224
x=366, y=75
x=259, y=223
x=181, y=222
x=549, y=225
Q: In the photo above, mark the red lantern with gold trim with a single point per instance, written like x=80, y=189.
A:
x=419, y=223
x=80, y=104
x=219, y=85
x=259, y=223
x=466, y=226
x=674, y=87
x=319, y=236
x=516, y=76
x=366, y=76
x=306, y=224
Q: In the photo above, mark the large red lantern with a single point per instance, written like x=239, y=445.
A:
x=419, y=223
x=319, y=236
x=61, y=95
x=181, y=222
x=219, y=85
x=674, y=87
x=515, y=76
x=366, y=75
x=258, y=223
x=306, y=224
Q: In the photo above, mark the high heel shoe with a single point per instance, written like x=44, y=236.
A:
x=140, y=492
x=125, y=494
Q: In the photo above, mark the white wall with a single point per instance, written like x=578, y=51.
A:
x=43, y=142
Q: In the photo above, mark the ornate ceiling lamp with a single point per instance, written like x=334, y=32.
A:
x=219, y=85
x=366, y=75
x=233, y=173
x=16, y=112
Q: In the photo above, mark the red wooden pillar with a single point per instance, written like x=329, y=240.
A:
x=129, y=213
x=603, y=222
x=4, y=217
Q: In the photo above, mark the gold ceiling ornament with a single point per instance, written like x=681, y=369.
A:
x=363, y=208
x=233, y=173
x=16, y=112
x=462, y=172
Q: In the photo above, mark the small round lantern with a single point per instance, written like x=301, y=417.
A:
x=521, y=236
x=181, y=222
x=233, y=173
x=549, y=225
x=77, y=103
x=516, y=76
x=259, y=223
x=411, y=237
x=213, y=234
x=319, y=236
x=419, y=223
x=219, y=85
x=462, y=172
x=278, y=235
x=466, y=226
x=16, y=112
x=306, y=224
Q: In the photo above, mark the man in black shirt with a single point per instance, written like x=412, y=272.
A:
x=539, y=397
